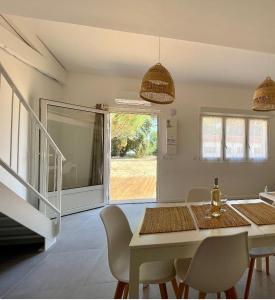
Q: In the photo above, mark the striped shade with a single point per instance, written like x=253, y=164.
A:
x=157, y=85
x=264, y=96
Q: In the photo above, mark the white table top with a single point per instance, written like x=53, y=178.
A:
x=196, y=236
x=269, y=195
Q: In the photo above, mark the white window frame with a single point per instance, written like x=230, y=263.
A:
x=223, y=156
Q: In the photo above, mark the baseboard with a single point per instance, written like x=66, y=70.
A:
x=229, y=197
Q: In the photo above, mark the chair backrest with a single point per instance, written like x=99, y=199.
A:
x=198, y=195
x=119, y=235
x=218, y=263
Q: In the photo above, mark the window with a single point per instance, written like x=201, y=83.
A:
x=234, y=138
x=212, y=137
x=257, y=139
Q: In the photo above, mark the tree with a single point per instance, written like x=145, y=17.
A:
x=132, y=132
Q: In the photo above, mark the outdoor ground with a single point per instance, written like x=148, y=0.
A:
x=133, y=179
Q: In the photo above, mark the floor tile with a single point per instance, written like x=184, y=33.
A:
x=77, y=265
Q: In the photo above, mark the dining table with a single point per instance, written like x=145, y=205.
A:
x=183, y=244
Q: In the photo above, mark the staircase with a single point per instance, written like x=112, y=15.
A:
x=13, y=233
x=26, y=214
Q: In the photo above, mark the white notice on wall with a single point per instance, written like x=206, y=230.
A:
x=171, y=136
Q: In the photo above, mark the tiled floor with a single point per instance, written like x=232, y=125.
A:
x=77, y=267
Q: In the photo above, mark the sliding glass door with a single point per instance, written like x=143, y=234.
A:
x=79, y=132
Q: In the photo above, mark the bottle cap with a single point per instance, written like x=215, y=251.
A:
x=216, y=181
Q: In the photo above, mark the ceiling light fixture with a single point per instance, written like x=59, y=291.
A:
x=264, y=95
x=157, y=84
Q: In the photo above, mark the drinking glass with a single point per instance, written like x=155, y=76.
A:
x=223, y=202
x=208, y=214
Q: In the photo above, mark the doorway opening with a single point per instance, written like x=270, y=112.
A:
x=133, y=163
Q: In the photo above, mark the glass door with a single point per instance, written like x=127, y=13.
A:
x=79, y=134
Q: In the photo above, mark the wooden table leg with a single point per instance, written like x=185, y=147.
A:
x=249, y=277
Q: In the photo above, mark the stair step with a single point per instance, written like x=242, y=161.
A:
x=24, y=239
x=7, y=222
x=14, y=231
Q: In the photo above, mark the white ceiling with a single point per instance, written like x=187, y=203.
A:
x=248, y=24
x=126, y=45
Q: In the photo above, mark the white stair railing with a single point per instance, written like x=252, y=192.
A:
x=38, y=151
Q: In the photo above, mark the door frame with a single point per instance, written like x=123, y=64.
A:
x=135, y=110
x=43, y=110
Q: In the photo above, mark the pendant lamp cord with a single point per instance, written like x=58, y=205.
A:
x=159, y=49
x=270, y=64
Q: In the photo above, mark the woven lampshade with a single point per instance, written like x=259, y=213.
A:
x=157, y=85
x=264, y=96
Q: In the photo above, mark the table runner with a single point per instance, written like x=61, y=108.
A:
x=228, y=218
x=259, y=213
x=167, y=219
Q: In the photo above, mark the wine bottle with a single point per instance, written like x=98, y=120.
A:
x=216, y=199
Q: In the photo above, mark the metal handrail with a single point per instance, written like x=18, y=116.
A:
x=32, y=113
x=28, y=186
x=45, y=142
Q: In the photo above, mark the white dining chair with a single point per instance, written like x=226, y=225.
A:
x=258, y=253
x=119, y=235
x=216, y=267
x=198, y=194
x=254, y=253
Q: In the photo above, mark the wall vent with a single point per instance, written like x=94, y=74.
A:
x=131, y=102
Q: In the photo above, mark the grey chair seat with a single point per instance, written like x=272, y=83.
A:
x=262, y=252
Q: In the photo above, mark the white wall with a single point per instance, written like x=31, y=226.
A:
x=184, y=170
x=32, y=85
x=179, y=174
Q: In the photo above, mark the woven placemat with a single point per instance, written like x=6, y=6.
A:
x=228, y=218
x=258, y=213
x=167, y=219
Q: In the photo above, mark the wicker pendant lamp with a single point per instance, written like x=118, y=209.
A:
x=157, y=85
x=264, y=96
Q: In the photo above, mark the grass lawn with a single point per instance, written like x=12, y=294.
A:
x=133, y=178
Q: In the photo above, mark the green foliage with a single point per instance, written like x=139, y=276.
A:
x=133, y=133
x=153, y=143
